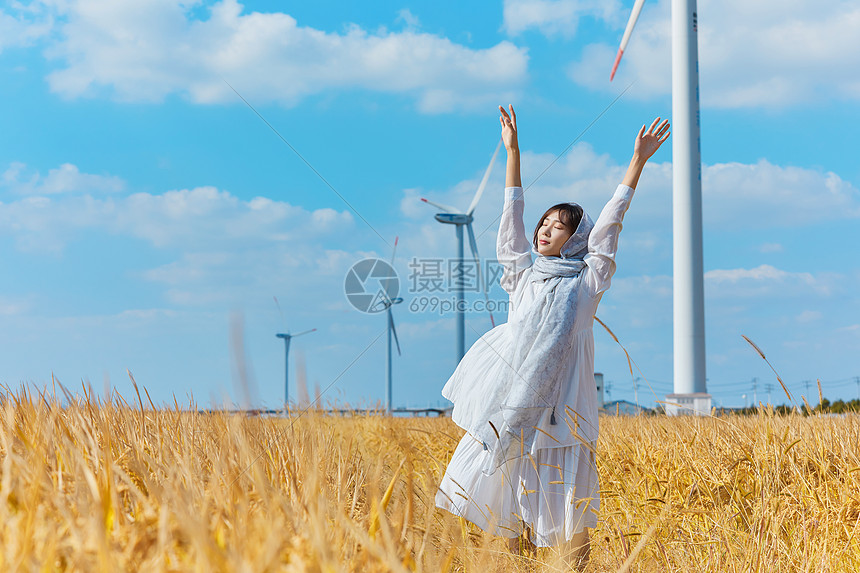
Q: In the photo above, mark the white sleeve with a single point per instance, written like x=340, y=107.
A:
x=603, y=241
x=513, y=248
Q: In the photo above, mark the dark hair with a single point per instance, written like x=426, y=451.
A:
x=568, y=213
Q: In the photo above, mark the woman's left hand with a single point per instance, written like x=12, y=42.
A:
x=647, y=143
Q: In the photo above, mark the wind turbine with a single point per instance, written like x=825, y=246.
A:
x=689, y=293
x=287, y=337
x=453, y=216
x=387, y=303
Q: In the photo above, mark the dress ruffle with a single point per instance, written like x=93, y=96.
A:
x=555, y=492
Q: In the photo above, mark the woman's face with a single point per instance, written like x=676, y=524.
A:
x=552, y=235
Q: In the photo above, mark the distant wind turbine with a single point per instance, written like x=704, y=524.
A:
x=287, y=337
x=689, y=297
x=453, y=216
x=387, y=302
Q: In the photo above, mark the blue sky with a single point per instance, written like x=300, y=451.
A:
x=149, y=220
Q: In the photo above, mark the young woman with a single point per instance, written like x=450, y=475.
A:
x=525, y=391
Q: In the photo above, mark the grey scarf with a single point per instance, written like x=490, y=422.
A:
x=542, y=341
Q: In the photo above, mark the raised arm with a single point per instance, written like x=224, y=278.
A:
x=646, y=145
x=603, y=240
x=513, y=248
x=512, y=146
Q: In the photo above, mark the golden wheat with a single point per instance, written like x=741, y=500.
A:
x=101, y=485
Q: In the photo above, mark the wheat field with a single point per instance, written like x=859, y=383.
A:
x=93, y=484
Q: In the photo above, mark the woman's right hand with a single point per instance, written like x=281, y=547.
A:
x=509, y=128
x=647, y=143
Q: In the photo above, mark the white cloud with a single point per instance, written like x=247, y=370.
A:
x=643, y=301
x=14, y=306
x=67, y=178
x=21, y=25
x=766, y=280
x=652, y=287
x=192, y=268
x=555, y=17
x=764, y=272
x=752, y=54
x=147, y=314
x=430, y=328
x=781, y=195
x=771, y=248
x=200, y=218
x=229, y=275
x=144, y=51
x=808, y=316
x=221, y=251
x=408, y=18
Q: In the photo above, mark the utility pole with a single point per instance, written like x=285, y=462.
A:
x=769, y=388
x=857, y=380
x=755, y=392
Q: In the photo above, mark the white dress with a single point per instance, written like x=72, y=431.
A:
x=554, y=487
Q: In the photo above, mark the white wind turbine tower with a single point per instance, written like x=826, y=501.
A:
x=387, y=303
x=453, y=216
x=690, y=392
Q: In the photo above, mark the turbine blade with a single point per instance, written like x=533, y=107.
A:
x=615, y=65
x=484, y=180
x=473, y=244
x=394, y=250
x=393, y=330
x=283, y=320
x=305, y=332
x=444, y=208
x=631, y=23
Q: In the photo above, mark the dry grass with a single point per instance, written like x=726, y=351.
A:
x=106, y=486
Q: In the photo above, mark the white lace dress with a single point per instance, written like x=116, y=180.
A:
x=554, y=487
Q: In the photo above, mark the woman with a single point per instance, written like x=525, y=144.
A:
x=525, y=391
